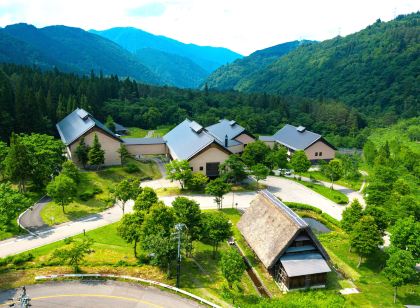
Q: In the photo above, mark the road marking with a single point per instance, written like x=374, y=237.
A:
x=96, y=295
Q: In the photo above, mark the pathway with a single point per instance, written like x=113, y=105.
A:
x=31, y=218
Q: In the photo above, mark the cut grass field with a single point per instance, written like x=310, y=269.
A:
x=317, y=175
x=327, y=192
x=136, y=132
x=102, y=181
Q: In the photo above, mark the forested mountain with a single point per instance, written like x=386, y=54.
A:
x=376, y=69
x=133, y=39
x=228, y=76
x=69, y=49
x=172, y=69
x=33, y=100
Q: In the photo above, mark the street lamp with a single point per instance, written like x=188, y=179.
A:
x=178, y=228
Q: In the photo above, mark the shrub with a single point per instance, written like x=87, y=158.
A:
x=20, y=259
x=121, y=263
x=131, y=168
x=68, y=240
x=301, y=206
x=330, y=219
x=90, y=193
x=5, y=261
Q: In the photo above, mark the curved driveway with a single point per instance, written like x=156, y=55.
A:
x=97, y=294
x=31, y=218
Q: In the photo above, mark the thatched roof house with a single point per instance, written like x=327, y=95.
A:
x=284, y=243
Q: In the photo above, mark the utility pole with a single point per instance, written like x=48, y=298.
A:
x=178, y=228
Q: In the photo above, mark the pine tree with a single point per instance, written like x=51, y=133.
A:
x=96, y=156
x=82, y=151
x=18, y=159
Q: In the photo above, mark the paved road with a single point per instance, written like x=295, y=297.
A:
x=20, y=244
x=97, y=294
x=31, y=219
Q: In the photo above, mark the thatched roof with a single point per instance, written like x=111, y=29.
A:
x=270, y=227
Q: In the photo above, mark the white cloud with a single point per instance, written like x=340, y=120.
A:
x=241, y=25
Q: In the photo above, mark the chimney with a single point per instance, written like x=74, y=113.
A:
x=226, y=141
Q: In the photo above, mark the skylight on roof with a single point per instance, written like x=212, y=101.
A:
x=82, y=114
x=196, y=127
x=301, y=129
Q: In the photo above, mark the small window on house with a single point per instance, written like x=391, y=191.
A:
x=316, y=153
x=320, y=153
x=192, y=169
x=201, y=168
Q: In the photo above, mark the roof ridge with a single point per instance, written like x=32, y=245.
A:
x=298, y=221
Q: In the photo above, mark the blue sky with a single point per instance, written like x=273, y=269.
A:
x=241, y=25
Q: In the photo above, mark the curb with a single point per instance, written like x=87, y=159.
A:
x=21, y=214
x=150, y=282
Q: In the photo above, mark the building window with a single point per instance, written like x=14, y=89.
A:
x=316, y=153
x=192, y=169
x=201, y=168
x=320, y=153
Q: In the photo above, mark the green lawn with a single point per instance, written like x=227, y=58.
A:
x=327, y=192
x=317, y=175
x=102, y=181
x=136, y=132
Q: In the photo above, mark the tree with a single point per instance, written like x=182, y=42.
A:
x=300, y=162
x=179, y=170
x=277, y=158
x=3, y=154
x=70, y=169
x=125, y=190
x=110, y=124
x=96, y=156
x=188, y=212
x=255, y=153
x=46, y=157
x=232, y=266
x=405, y=235
x=379, y=215
x=216, y=228
x=365, y=237
x=62, y=190
x=124, y=154
x=18, y=162
x=129, y=228
x=351, y=215
x=163, y=247
x=369, y=152
x=400, y=269
x=75, y=253
x=218, y=188
x=232, y=170
x=11, y=203
x=197, y=182
x=334, y=171
x=160, y=218
x=145, y=200
x=82, y=151
x=260, y=172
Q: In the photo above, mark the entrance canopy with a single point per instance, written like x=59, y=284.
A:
x=304, y=264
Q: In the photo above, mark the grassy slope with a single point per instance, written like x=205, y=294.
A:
x=136, y=132
x=317, y=175
x=104, y=179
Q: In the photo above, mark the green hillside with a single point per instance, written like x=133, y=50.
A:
x=172, y=69
x=228, y=76
x=69, y=49
x=375, y=70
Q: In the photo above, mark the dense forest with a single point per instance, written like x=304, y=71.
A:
x=32, y=100
x=375, y=70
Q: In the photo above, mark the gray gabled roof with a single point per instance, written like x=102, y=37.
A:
x=187, y=139
x=296, y=138
x=119, y=127
x=269, y=227
x=76, y=124
x=139, y=141
x=225, y=127
x=304, y=264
